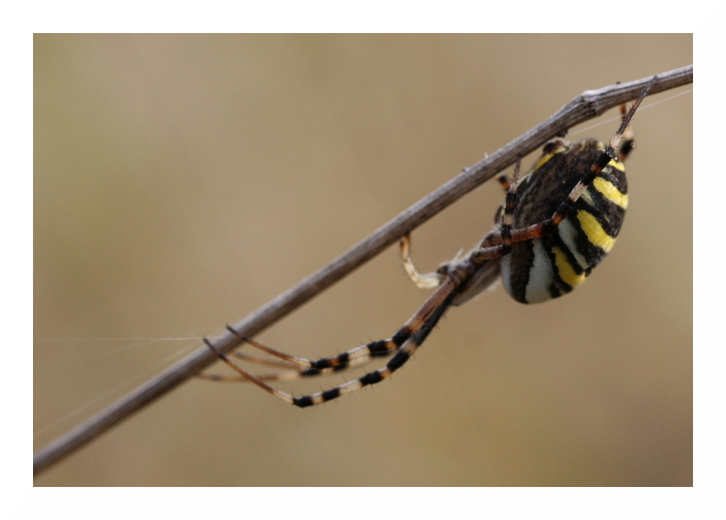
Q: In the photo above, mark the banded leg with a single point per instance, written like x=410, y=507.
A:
x=358, y=355
x=300, y=367
x=407, y=340
x=296, y=371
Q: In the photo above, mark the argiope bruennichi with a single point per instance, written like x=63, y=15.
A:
x=558, y=222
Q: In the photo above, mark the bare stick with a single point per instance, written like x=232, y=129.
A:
x=586, y=106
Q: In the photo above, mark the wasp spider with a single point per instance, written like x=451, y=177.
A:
x=558, y=222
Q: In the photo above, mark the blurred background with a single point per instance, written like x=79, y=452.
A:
x=182, y=181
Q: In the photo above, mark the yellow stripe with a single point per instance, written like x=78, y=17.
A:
x=565, y=270
x=547, y=157
x=610, y=192
x=594, y=231
x=617, y=165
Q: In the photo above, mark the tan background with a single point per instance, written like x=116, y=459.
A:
x=183, y=181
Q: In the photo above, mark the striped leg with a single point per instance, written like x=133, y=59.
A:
x=382, y=348
x=299, y=367
x=358, y=355
x=406, y=340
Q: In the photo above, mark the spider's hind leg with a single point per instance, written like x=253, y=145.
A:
x=355, y=356
x=404, y=343
x=296, y=367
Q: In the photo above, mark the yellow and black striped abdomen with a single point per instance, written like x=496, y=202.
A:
x=547, y=267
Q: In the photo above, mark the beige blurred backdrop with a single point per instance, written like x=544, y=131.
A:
x=181, y=182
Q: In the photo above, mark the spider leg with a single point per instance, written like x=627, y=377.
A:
x=406, y=340
x=628, y=137
x=422, y=281
x=410, y=337
x=300, y=367
x=293, y=371
x=359, y=355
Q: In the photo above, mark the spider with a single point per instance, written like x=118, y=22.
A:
x=557, y=223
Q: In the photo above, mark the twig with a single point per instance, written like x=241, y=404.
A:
x=586, y=106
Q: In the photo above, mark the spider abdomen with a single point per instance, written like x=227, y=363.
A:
x=548, y=267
